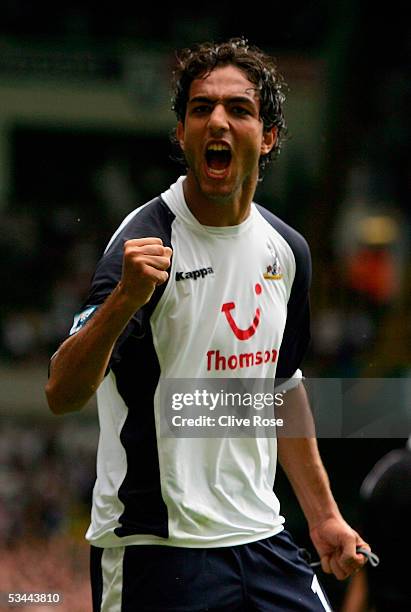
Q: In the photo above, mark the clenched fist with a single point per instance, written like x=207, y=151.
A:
x=145, y=265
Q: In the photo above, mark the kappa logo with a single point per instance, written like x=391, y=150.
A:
x=194, y=274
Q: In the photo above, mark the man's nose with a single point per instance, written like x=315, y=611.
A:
x=218, y=121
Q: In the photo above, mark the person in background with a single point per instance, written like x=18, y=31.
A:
x=386, y=510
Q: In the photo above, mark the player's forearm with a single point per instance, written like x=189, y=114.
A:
x=80, y=364
x=301, y=461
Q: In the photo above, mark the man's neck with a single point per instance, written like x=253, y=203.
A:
x=217, y=211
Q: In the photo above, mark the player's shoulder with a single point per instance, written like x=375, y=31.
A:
x=294, y=238
x=154, y=218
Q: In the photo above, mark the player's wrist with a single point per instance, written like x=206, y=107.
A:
x=320, y=520
x=126, y=299
x=322, y=516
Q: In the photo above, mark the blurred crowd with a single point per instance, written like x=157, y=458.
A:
x=46, y=478
x=50, y=248
x=47, y=284
x=58, y=565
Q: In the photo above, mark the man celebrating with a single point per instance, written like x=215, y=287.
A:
x=199, y=283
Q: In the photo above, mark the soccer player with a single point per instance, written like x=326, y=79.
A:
x=202, y=283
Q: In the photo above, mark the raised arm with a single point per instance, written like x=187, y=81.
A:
x=79, y=366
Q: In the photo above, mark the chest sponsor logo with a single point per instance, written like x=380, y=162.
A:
x=217, y=360
x=242, y=334
x=194, y=274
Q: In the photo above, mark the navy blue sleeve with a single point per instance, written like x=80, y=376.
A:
x=297, y=335
x=297, y=329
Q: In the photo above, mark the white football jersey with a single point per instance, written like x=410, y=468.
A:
x=235, y=306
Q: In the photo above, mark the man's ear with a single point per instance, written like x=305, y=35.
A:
x=180, y=134
x=269, y=140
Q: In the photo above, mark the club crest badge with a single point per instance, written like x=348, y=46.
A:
x=273, y=270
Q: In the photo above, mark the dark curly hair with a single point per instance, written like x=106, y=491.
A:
x=260, y=69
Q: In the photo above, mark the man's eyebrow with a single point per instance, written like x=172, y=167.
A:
x=239, y=99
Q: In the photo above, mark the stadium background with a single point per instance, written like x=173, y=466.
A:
x=84, y=138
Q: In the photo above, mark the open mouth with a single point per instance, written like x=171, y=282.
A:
x=218, y=159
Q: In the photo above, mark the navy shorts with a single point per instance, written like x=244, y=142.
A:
x=265, y=576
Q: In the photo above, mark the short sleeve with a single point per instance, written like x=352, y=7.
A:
x=297, y=335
